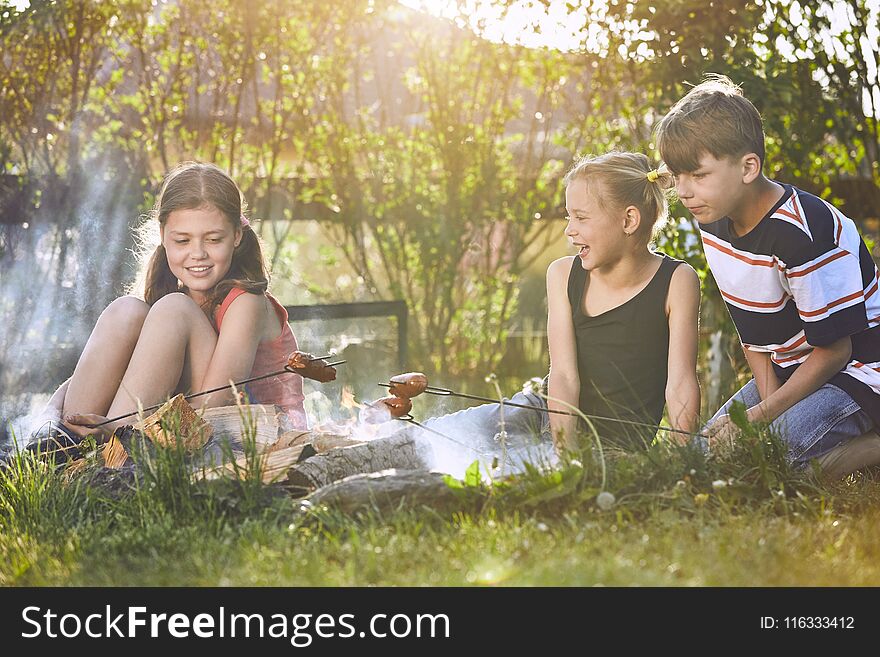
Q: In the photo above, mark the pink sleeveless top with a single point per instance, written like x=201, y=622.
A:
x=285, y=390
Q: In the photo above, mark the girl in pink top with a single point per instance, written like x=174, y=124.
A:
x=205, y=318
x=286, y=390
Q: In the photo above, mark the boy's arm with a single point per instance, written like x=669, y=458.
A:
x=682, y=386
x=762, y=369
x=812, y=374
x=564, y=384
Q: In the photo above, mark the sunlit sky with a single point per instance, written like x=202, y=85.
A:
x=561, y=29
x=557, y=27
x=550, y=24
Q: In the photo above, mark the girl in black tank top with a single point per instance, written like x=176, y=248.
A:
x=632, y=354
x=622, y=355
x=622, y=322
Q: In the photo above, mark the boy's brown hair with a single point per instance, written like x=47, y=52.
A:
x=714, y=117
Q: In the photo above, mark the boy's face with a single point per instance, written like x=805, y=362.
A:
x=715, y=189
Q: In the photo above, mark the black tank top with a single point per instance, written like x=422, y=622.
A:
x=622, y=357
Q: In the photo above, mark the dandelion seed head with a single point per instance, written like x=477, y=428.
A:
x=605, y=500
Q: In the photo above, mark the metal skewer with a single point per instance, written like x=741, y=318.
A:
x=446, y=392
x=286, y=370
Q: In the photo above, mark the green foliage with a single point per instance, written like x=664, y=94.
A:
x=36, y=499
x=675, y=511
x=432, y=156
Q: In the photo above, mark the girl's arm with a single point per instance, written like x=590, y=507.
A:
x=244, y=325
x=682, y=387
x=565, y=383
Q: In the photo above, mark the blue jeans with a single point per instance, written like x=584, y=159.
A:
x=815, y=425
x=472, y=433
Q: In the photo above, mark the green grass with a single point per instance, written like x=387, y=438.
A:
x=679, y=519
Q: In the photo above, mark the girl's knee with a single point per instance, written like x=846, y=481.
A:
x=176, y=303
x=125, y=313
x=179, y=311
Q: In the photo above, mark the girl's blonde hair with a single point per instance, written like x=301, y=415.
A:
x=621, y=179
x=189, y=186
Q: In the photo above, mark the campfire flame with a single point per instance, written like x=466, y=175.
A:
x=348, y=401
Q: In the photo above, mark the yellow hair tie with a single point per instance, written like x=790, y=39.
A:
x=653, y=175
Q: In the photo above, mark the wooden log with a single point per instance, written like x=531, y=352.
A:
x=176, y=421
x=273, y=466
x=399, y=450
x=320, y=441
x=324, y=442
x=390, y=490
x=230, y=423
x=113, y=453
x=291, y=439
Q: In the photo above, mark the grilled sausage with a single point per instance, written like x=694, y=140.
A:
x=396, y=406
x=409, y=385
x=303, y=363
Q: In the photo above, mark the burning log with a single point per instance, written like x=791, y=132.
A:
x=309, y=367
x=390, y=489
x=409, y=385
x=399, y=450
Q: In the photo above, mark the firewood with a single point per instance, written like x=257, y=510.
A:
x=273, y=466
x=231, y=422
x=399, y=450
x=176, y=422
x=392, y=489
x=291, y=439
x=324, y=442
x=113, y=453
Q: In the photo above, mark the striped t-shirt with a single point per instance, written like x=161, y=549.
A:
x=801, y=278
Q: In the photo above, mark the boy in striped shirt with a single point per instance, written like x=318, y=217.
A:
x=799, y=283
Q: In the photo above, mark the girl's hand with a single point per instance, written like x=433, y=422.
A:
x=85, y=424
x=722, y=433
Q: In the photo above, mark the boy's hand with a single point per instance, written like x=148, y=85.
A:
x=722, y=434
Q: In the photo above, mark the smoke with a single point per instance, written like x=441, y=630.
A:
x=60, y=267
x=455, y=439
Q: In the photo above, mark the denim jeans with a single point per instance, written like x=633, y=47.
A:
x=815, y=425
x=475, y=430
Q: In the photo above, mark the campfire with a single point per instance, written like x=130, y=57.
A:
x=380, y=436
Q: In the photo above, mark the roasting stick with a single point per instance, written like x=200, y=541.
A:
x=445, y=392
x=286, y=370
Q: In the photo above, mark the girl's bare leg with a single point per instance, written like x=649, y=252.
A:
x=105, y=358
x=174, y=349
